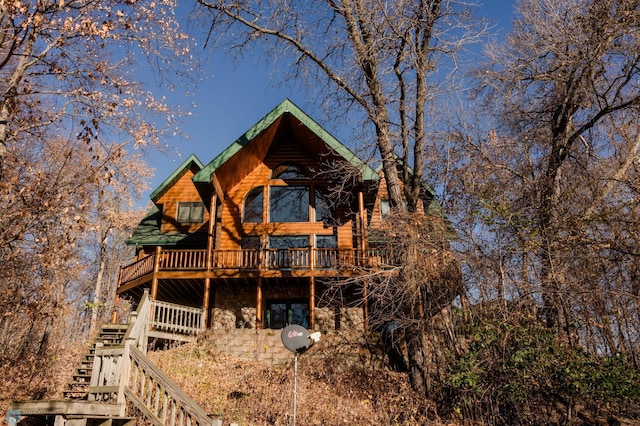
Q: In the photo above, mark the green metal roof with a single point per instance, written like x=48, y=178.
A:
x=147, y=233
x=285, y=106
x=192, y=159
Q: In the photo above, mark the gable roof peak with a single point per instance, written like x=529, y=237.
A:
x=286, y=106
x=192, y=160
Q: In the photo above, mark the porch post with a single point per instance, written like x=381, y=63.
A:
x=210, y=244
x=363, y=222
x=312, y=303
x=259, y=303
x=156, y=268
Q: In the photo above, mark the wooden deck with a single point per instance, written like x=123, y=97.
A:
x=266, y=262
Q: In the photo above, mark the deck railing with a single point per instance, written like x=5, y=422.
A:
x=265, y=259
x=174, y=318
x=136, y=269
x=183, y=259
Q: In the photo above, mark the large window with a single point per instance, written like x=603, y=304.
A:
x=192, y=212
x=289, y=203
x=252, y=211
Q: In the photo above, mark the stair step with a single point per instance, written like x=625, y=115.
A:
x=81, y=378
x=78, y=388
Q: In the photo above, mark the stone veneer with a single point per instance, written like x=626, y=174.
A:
x=235, y=308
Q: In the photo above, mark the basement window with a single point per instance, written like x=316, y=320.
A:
x=191, y=212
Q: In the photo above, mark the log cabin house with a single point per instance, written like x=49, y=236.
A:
x=255, y=237
x=253, y=240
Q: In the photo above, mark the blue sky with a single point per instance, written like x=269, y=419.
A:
x=230, y=99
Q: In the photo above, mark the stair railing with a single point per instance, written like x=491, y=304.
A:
x=124, y=373
x=158, y=397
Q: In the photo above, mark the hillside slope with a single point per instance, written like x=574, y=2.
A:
x=256, y=393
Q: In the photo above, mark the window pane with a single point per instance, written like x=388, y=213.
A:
x=324, y=212
x=385, y=208
x=288, y=241
x=190, y=212
x=278, y=315
x=253, y=206
x=251, y=242
x=326, y=241
x=289, y=204
x=284, y=255
x=300, y=314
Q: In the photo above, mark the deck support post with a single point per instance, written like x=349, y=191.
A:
x=156, y=269
x=363, y=221
x=312, y=303
x=210, y=244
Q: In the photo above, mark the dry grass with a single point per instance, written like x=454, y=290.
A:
x=256, y=393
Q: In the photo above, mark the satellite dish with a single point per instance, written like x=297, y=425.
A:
x=295, y=338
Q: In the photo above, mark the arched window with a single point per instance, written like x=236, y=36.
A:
x=289, y=171
x=252, y=211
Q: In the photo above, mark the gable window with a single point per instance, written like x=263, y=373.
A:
x=289, y=203
x=191, y=212
x=252, y=211
x=385, y=208
x=288, y=171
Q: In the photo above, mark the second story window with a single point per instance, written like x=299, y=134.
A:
x=252, y=211
x=191, y=212
x=385, y=208
x=289, y=203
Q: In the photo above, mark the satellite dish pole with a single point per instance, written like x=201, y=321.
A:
x=295, y=386
x=297, y=339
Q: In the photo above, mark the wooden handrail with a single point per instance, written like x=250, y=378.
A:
x=124, y=372
x=158, y=397
x=136, y=269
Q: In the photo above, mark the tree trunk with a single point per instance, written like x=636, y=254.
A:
x=418, y=369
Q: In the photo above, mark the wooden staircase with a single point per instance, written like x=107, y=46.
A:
x=116, y=375
x=111, y=335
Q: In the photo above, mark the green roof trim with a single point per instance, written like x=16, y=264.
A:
x=286, y=106
x=192, y=159
x=147, y=233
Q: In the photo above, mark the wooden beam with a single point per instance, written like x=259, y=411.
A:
x=156, y=268
x=363, y=221
x=79, y=408
x=210, y=243
x=217, y=187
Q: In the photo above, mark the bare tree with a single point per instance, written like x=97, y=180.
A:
x=71, y=115
x=556, y=184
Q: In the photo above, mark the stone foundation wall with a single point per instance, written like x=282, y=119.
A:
x=235, y=307
x=344, y=349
